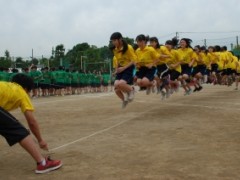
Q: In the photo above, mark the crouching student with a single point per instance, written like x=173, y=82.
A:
x=13, y=95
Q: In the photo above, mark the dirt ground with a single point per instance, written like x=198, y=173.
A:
x=192, y=137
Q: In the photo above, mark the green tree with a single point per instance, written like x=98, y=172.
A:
x=5, y=63
x=19, y=63
x=7, y=55
x=59, y=54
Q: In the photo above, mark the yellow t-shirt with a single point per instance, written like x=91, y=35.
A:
x=163, y=50
x=174, y=58
x=126, y=58
x=213, y=58
x=229, y=58
x=221, y=60
x=197, y=58
x=115, y=63
x=234, y=63
x=206, y=60
x=146, y=56
x=13, y=96
x=186, y=55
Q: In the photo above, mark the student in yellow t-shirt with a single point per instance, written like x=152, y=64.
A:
x=187, y=61
x=173, y=63
x=236, y=70
x=162, y=72
x=146, y=63
x=227, y=73
x=213, y=58
x=220, y=64
x=207, y=64
x=198, y=68
x=14, y=95
x=124, y=58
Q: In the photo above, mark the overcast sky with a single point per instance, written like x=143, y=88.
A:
x=42, y=24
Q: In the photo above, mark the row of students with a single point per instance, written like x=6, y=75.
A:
x=62, y=81
x=168, y=66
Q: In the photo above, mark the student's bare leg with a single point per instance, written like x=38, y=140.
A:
x=30, y=146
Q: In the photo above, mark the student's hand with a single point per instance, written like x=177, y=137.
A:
x=120, y=69
x=149, y=66
x=171, y=66
x=43, y=145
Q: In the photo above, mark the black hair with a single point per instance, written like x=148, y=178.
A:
x=14, y=70
x=224, y=48
x=142, y=37
x=217, y=48
x=188, y=42
x=135, y=46
x=34, y=67
x=203, y=48
x=197, y=46
x=23, y=80
x=154, y=39
x=61, y=68
x=173, y=42
x=211, y=47
x=118, y=36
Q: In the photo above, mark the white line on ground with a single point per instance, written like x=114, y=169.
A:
x=100, y=131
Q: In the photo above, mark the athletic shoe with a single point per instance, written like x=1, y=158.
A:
x=131, y=95
x=200, y=88
x=50, y=166
x=124, y=104
x=196, y=89
x=188, y=92
x=163, y=95
x=148, y=91
x=153, y=89
x=168, y=94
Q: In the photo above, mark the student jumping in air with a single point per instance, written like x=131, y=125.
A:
x=146, y=63
x=124, y=58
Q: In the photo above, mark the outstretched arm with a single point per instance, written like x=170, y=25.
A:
x=34, y=127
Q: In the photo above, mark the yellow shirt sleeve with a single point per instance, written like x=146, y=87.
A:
x=115, y=63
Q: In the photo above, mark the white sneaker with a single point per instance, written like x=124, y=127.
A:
x=148, y=91
x=124, y=104
x=163, y=95
x=131, y=95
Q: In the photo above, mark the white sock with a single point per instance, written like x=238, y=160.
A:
x=43, y=162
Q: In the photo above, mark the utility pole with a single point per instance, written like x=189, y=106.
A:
x=177, y=35
x=32, y=55
x=237, y=40
x=205, y=42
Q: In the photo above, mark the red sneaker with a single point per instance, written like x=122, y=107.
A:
x=50, y=166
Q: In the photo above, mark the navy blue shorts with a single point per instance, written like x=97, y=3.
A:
x=199, y=69
x=11, y=129
x=126, y=75
x=174, y=74
x=162, y=70
x=214, y=68
x=186, y=69
x=146, y=72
